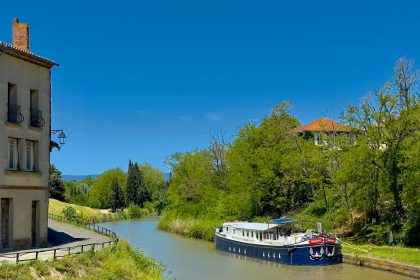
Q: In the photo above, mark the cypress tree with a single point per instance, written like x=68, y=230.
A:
x=132, y=183
x=116, y=196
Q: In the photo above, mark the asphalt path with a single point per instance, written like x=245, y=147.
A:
x=60, y=236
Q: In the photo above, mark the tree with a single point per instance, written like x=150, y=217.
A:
x=386, y=123
x=116, y=198
x=56, y=184
x=133, y=178
x=156, y=186
x=99, y=193
x=143, y=192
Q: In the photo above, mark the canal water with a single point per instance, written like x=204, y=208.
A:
x=191, y=259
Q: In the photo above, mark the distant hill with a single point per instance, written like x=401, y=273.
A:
x=77, y=177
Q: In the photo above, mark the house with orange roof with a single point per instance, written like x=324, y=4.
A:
x=323, y=129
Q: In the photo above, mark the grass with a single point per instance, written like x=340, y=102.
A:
x=119, y=261
x=191, y=227
x=85, y=213
x=398, y=254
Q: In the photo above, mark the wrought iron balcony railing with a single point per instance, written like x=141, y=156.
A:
x=14, y=114
x=36, y=118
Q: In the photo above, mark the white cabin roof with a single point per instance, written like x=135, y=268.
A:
x=250, y=226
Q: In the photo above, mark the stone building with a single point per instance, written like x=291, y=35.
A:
x=25, y=118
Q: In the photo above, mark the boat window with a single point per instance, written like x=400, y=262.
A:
x=233, y=231
x=247, y=233
x=252, y=234
x=243, y=232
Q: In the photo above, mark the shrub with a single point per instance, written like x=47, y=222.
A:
x=135, y=212
x=378, y=234
x=70, y=213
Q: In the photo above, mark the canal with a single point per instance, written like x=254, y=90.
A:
x=191, y=259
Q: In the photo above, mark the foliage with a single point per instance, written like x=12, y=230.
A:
x=117, y=262
x=138, y=191
x=56, y=183
x=69, y=212
x=135, y=212
x=156, y=185
x=116, y=198
x=99, y=194
x=77, y=192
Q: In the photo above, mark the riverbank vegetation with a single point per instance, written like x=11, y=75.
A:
x=365, y=189
x=120, y=261
x=113, y=195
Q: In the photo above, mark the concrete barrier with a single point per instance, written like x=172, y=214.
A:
x=403, y=269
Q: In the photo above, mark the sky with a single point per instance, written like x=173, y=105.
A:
x=142, y=80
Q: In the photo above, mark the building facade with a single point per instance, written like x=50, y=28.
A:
x=25, y=118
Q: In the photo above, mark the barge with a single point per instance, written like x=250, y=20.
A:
x=279, y=241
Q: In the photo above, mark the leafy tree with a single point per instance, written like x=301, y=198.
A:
x=56, y=184
x=156, y=186
x=99, y=194
x=143, y=191
x=191, y=191
x=387, y=123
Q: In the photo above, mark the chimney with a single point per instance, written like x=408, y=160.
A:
x=20, y=35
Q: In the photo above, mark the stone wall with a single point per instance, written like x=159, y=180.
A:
x=404, y=269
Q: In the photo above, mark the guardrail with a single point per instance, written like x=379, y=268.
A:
x=67, y=250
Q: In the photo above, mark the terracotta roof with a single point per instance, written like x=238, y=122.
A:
x=324, y=125
x=24, y=55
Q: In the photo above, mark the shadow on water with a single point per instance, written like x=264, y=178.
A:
x=191, y=259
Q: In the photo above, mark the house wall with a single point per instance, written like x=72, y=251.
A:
x=23, y=187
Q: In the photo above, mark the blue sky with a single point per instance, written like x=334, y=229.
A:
x=145, y=79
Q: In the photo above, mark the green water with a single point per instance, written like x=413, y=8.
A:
x=190, y=259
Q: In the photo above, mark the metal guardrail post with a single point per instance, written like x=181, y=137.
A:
x=17, y=257
x=55, y=253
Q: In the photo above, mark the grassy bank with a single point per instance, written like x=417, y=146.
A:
x=190, y=227
x=96, y=215
x=117, y=262
x=398, y=254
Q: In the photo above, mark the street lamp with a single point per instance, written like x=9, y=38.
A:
x=61, y=136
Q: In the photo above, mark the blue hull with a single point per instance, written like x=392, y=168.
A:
x=299, y=255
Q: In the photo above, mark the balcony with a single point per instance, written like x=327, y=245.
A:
x=36, y=118
x=14, y=114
